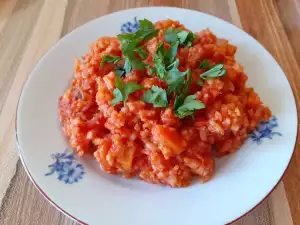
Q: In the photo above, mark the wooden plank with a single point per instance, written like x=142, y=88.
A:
x=45, y=34
x=6, y=8
x=14, y=36
x=29, y=207
x=13, y=39
x=289, y=13
x=262, y=21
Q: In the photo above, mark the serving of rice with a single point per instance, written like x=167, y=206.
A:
x=137, y=139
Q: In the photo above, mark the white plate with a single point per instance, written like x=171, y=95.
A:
x=91, y=196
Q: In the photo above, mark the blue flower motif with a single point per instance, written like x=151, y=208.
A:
x=265, y=130
x=66, y=168
x=130, y=27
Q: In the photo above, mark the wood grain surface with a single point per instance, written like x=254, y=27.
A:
x=28, y=28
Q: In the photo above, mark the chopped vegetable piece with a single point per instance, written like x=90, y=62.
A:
x=169, y=139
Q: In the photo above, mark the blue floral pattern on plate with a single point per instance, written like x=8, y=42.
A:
x=66, y=167
x=265, y=130
x=130, y=27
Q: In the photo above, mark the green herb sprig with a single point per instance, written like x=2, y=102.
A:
x=156, y=96
x=130, y=42
x=185, y=38
x=186, y=105
x=216, y=71
x=122, y=91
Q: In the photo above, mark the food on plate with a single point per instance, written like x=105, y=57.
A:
x=160, y=103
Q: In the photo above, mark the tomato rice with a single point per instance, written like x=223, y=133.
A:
x=152, y=143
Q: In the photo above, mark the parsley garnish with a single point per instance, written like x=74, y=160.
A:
x=122, y=91
x=185, y=38
x=113, y=59
x=204, y=64
x=156, y=96
x=164, y=58
x=119, y=71
x=216, y=71
x=170, y=54
x=130, y=42
x=150, y=68
x=186, y=106
x=159, y=59
x=187, y=84
x=110, y=59
x=146, y=30
x=141, y=51
x=171, y=34
x=199, y=82
x=175, y=79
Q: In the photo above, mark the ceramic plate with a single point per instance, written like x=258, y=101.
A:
x=79, y=187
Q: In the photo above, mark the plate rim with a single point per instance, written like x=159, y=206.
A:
x=53, y=46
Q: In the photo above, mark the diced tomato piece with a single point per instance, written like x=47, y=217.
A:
x=169, y=140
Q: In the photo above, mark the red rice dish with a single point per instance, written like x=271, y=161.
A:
x=143, y=112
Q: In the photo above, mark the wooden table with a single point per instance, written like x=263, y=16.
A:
x=28, y=28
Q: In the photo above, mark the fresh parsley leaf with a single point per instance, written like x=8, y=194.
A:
x=216, y=71
x=141, y=51
x=199, y=82
x=171, y=34
x=131, y=62
x=110, y=59
x=117, y=92
x=170, y=54
x=129, y=88
x=159, y=59
x=188, y=107
x=136, y=64
x=185, y=38
x=122, y=91
x=164, y=58
x=146, y=24
x=187, y=84
x=146, y=30
x=126, y=38
x=150, y=68
x=118, y=97
x=128, y=45
x=156, y=96
x=130, y=42
x=175, y=79
x=204, y=64
x=119, y=71
x=127, y=64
